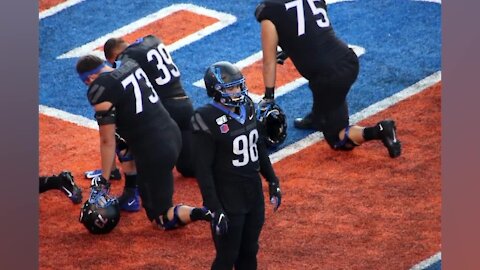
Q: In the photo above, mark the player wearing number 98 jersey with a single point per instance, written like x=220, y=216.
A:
x=230, y=152
x=123, y=98
x=153, y=57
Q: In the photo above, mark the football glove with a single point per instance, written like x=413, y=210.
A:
x=264, y=104
x=220, y=223
x=275, y=194
x=99, y=181
x=99, y=189
x=281, y=57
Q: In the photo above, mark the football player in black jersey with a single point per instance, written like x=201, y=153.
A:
x=302, y=29
x=229, y=153
x=153, y=57
x=124, y=100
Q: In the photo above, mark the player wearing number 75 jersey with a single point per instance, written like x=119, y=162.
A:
x=230, y=152
x=123, y=98
x=304, y=31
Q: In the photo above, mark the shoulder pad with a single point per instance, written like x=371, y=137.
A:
x=199, y=124
x=95, y=91
x=258, y=12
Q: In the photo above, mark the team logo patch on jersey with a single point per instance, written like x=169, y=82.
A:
x=224, y=128
x=221, y=120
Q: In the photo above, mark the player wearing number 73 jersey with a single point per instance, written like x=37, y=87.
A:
x=304, y=31
x=123, y=98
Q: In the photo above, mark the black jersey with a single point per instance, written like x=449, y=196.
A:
x=135, y=102
x=156, y=61
x=305, y=34
x=229, y=156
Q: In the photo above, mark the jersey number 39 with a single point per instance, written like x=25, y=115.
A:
x=164, y=61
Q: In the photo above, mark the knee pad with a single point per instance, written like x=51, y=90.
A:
x=346, y=144
x=121, y=149
x=124, y=155
x=168, y=224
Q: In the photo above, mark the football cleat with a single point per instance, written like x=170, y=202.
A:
x=68, y=186
x=305, y=122
x=114, y=175
x=388, y=136
x=201, y=214
x=129, y=200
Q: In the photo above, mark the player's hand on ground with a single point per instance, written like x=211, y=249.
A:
x=220, y=222
x=275, y=194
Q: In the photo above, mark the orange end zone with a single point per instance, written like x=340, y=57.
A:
x=46, y=4
x=362, y=209
x=286, y=73
x=340, y=210
x=170, y=30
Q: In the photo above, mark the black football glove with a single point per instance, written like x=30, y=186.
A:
x=281, y=57
x=99, y=181
x=265, y=103
x=275, y=194
x=220, y=223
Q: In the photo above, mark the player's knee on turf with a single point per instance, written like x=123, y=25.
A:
x=345, y=144
x=165, y=223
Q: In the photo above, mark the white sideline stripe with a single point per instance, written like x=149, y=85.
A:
x=367, y=112
x=329, y=2
x=68, y=117
x=282, y=90
x=428, y=262
x=57, y=8
x=299, y=145
x=224, y=21
x=431, y=1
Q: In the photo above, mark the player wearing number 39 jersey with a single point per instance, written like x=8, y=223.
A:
x=153, y=57
x=230, y=152
x=304, y=31
x=123, y=98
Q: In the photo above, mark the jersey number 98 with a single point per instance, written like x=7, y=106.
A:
x=246, y=148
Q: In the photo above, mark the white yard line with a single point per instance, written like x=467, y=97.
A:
x=367, y=112
x=294, y=147
x=281, y=90
x=55, y=9
x=68, y=117
x=224, y=20
x=428, y=262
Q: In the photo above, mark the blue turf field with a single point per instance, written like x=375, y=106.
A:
x=402, y=41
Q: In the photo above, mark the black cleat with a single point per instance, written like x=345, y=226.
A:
x=68, y=186
x=388, y=136
x=201, y=214
x=305, y=122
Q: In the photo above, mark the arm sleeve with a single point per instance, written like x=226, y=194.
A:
x=266, y=168
x=203, y=156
